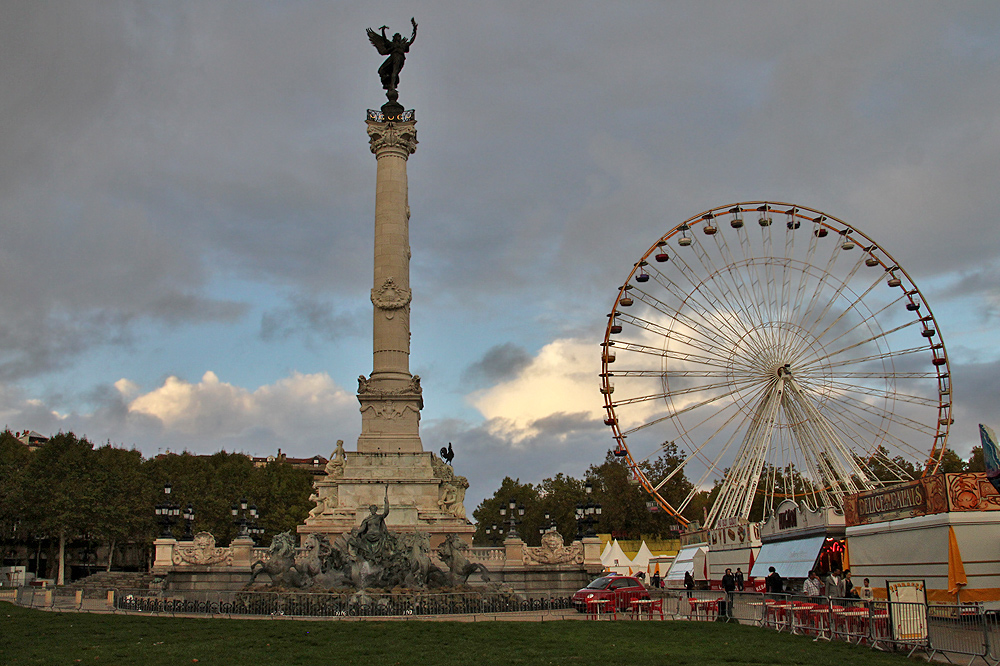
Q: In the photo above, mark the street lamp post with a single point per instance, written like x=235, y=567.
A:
x=188, y=517
x=587, y=514
x=166, y=513
x=513, y=511
x=245, y=518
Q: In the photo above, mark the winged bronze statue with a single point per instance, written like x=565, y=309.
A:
x=396, y=48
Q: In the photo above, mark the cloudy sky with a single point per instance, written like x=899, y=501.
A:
x=188, y=198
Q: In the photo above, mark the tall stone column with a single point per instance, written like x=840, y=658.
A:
x=391, y=398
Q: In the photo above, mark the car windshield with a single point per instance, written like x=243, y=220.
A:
x=599, y=584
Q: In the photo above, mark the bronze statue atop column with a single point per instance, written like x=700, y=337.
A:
x=396, y=48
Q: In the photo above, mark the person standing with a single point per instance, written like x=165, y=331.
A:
x=729, y=581
x=688, y=581
x=729, y=585
x=835, y=584
x=865, y=592
x=812, y=586
x=773, y=583
x=655, y=580
x=849, y=591
x=740, y=585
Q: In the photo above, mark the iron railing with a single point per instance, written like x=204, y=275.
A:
x=308, y=604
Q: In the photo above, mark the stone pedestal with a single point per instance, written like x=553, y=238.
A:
x=242, y=551
x=592, y=554
x=163, y=557
x=425, y=495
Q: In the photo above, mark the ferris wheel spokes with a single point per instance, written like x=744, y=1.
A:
x=724, y=315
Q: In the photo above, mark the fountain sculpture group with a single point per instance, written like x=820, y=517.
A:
x=370, y=556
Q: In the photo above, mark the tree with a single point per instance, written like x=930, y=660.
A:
x=60, y=496
x=282, y=495
x=488, y=514
x=14, y=458
x=976, y=461
x=950, y=463
x=122, y=514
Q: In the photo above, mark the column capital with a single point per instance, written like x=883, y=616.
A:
x=392, y=138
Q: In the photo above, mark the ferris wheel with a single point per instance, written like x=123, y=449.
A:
x=768, y=348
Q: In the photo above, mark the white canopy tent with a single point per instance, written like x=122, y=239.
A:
x=616, y=560
x=641, y=560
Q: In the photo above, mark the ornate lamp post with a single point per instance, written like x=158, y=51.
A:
x=512, y=511
x=244, y=517
x=494, y=534
x=166, y=513
x=188, y=517
x=586, y=515
x=548, y=526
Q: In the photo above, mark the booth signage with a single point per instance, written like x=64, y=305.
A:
x=902, y=501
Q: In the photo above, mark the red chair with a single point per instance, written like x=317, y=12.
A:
x=655, y=607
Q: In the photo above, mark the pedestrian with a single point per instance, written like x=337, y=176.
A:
x=849, y=591
x=773, y=583
x=812, y=586
x=835, y=584
x=688, y=581
x=655, y=580
x=865, y=592
x=729, y=585
x=739, y=579
x=728, y=581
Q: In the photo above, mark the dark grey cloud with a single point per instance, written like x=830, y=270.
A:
x=312, y=320
x=499, y=363
x=977, y=400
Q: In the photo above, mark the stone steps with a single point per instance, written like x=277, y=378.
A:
x=111, y=580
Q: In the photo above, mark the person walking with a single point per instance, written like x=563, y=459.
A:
x=740, y=585
x=688, y=581
x=655, y=580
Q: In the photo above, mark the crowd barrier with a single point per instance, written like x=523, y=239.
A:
x=951, y=630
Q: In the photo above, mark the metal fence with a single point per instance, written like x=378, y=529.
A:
x=363, y=604
x=952, y=630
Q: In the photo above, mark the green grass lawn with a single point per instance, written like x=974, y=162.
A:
x=37, y=637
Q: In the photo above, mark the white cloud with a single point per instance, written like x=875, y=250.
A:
x=213, y=408
x=560, y=379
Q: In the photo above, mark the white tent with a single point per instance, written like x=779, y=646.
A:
x=604, y=553
x=641, y=560
x=616, y=560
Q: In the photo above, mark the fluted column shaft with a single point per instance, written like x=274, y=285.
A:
x=391, y=398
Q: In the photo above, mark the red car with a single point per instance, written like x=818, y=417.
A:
x=621, y=590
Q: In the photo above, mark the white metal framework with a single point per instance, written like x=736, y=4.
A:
x=783, y=352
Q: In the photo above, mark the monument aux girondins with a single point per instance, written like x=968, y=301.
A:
x=390, y=478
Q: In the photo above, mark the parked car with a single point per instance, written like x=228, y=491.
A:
x=621, y=590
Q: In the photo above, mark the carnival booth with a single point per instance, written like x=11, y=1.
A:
x=692, y=558
x=733, y=545
x=942, y=529
x=795, y=540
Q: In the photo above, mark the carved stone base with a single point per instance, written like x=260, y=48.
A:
x=425, y=495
